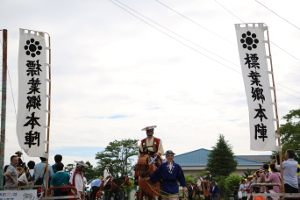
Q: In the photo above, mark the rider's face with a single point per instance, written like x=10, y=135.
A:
x=149, y=133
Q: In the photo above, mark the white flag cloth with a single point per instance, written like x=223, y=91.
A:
x=251, y=44
x=32, y=100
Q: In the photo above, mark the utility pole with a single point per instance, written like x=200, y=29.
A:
x=3, y=103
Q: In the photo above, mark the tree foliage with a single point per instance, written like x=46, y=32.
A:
x=90, y=172
x=221, y=160
x=290, y=132
x=69, y=167
x=232, y=180
x=118, y=154
x=193, y=178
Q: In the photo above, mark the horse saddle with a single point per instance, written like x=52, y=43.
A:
x=107, y=186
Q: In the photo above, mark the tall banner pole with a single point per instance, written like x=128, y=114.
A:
x=3, y=104
x=276, y=115
x=49, y=109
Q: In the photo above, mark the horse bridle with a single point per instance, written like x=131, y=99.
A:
x=147, y=167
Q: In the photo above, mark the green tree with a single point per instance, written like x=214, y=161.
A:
x=190, y=178
x=90, y=172
x=290, y=132
x=118, y=154
x=69, y=167
x=221, y=160
x=230, y=181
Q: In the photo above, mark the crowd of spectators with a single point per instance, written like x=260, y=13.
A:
x=270, y=173
x=31, y=175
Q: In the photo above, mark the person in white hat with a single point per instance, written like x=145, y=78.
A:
x=151, y=145
x=169, y=173
x=106, y=174
x=77, y=180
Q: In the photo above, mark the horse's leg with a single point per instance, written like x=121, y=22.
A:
x=140, y=195
x=116, y=196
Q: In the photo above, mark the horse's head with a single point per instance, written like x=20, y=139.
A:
x=143, y=165
x=206, y=184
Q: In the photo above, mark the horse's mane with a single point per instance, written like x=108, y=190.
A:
x=143, y=160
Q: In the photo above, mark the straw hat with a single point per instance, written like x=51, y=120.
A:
x=149, y=128
x=81, y=163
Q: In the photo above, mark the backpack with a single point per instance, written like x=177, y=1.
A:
x=31, y=177
x=38, y=180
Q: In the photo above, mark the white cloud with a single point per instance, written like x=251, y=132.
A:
x=106, y=62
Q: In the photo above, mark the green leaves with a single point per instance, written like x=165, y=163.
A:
x=290, y=132
x=221, y=159
x=118, y=154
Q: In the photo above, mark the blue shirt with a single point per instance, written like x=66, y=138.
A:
x=169, y=177
x=97, y=182
x=290, y=167
x=60, y=178
x=38, y=167
x=214, y=191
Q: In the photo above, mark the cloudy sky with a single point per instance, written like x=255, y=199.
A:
x=118, y=66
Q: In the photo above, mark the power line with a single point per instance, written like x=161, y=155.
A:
x=230, y=12
x=278, y=15
x=173, y=37
x=12, y=94
x=288, y=88
x=179, y=40
x=287, y=93
x=295, y=74
x=176, y=33
x=194, y=22
x=270, y=41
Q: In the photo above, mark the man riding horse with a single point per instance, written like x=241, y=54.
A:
x=208, y=177
x=151, y=145
x=107, y=176
x=150, y=152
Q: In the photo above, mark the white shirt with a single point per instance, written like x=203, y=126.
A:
x=31, y=171
x=23, y=178
x=106, y=172
x=170, y=166
x=79, y=184
x=290, y=167
x=243, y=189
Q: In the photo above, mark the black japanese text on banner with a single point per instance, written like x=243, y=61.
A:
x=253, y=58
x=32, y=102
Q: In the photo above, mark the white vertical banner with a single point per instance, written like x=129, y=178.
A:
x=253, y=58
x=32, y=100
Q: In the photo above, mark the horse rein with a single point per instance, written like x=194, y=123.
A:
x=147, y=172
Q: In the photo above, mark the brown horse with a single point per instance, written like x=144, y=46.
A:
x=145, y=169
x=205, y=188
x=197, y=192
x=115, y=187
